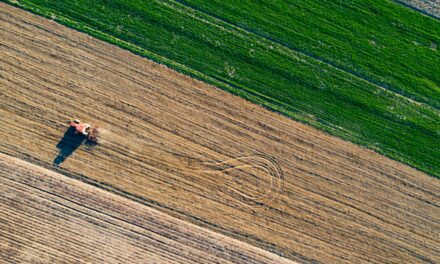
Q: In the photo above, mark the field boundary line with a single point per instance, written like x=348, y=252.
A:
x=106, y=217
x=315, y=58
x=246, y=93
x=419, y=10
x=175, y=213
x=235, y=89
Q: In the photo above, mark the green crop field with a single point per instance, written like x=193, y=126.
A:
x=367, y=71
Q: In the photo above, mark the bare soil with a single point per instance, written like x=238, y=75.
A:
x=205, y=156
x=431, y=7
x=46, y=217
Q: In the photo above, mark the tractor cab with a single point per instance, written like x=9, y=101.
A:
x=87, y=130
x=80, y=128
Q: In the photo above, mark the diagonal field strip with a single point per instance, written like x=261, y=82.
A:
x=280, y=79
x=162, y=131
x=224, y=24
x=429, y=8
x=227, y=13
x=250, y=94
x=47, y=217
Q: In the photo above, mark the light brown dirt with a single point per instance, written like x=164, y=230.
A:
x=206, y=156
x=46, y=217
x=431, y=7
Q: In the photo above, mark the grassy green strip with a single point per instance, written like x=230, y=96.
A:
x=267, y=71
x=379, y=41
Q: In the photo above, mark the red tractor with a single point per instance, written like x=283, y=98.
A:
x=87, y=130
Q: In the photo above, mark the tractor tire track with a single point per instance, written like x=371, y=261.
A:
x=337, y=203
x=56, y=219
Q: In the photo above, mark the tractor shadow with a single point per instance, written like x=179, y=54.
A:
x=68, y=144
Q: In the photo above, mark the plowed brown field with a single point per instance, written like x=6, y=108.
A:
x=205, y=156
x=46, y=217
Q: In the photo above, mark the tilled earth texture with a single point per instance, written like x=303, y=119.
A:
x=46, y=217
x=431, y=7
x=196, y=153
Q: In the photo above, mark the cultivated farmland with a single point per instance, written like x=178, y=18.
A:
x=46, y=217
x=205, y=156
x=364, y=70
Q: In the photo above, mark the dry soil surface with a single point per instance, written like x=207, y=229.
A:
x=46, y=217
x=205, y=156
x=431, y=7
